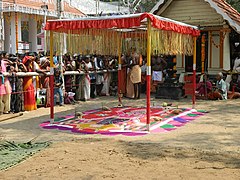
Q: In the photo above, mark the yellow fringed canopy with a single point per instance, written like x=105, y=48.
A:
x=100, y=35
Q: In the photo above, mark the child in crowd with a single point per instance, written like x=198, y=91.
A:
x=58, y=81
x=113, y=88
x=69, y=98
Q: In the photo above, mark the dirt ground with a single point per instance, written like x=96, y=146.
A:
x=207, y=148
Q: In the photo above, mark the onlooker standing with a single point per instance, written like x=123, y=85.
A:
x=68, y=79
x=2, y=87
x=106, y=77
x=58, y=82
x=28, y=88
x=135, y=75
x=45, y=67
x=85, y=88
x=158, y=67
x=13, y=81
x=91, y=66
x=5, y=88
x=99, y=76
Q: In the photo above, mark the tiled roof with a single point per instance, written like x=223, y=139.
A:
x=228, y=9
x=231, y=15
x=36, y=4
x=77, y=7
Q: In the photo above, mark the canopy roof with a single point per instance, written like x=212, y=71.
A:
x=133, y=21
x=101, y=34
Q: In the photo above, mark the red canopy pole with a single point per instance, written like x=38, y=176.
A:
x=194, y=72
x=148, y=78
x=51, y=79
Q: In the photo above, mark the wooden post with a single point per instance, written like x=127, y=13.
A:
x=51, y=78
x=194, y=71
x=148, y=78
x=203, y=53
x=183, y=58
x=211, y=49
x=175, y=67
x=221, y=49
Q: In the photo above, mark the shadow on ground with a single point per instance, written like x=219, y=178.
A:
x=159, y=152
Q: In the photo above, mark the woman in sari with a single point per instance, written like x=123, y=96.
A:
x=129, y=84
x=36, y=82
x=45, y=67
x=28, y=88
x=123, y=74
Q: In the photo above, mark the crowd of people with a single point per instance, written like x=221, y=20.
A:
x=221, y=90
x=97, y=77
x=25, y=93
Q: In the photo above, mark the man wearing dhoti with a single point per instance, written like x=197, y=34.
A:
x=158, y=67
x=135, y=76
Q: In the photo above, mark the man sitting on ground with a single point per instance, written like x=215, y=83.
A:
x=221, y=89
x=204, y=87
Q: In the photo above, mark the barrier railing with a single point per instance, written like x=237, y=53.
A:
x=20, y=91
x=25, y=74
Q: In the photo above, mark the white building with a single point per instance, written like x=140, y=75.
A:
x=23, y=21
x=220, y=27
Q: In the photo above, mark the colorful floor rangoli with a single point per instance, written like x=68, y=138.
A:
x=126, y=121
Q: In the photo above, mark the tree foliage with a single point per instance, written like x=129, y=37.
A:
x=145, y=5
x=235, y=4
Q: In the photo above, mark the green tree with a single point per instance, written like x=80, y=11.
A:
x=146, y=5
x=235, y=4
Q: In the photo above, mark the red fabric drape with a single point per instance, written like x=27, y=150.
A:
x=128, y=22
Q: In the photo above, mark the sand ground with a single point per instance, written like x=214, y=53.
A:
x=208, y=148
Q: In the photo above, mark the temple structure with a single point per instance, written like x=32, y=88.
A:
x=219, y=43
x=22, y=22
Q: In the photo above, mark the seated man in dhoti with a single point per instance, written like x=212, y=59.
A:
x=220, y=91
x=204, y=87
x=135, y=75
